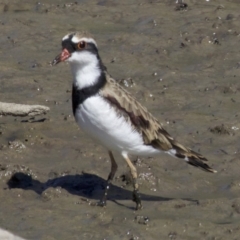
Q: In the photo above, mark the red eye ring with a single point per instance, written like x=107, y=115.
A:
x=81, y=45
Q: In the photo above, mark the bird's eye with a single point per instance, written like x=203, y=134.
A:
x=81, y=45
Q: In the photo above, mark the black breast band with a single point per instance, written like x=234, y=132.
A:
x=80, y=95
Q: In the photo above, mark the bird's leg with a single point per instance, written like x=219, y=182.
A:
x=114, y=167
x=136, y=196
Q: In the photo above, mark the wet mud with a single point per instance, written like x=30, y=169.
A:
x=181, y=61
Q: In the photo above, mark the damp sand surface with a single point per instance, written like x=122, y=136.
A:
x=181, y=63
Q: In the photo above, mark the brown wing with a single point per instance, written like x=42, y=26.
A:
x=143, y=121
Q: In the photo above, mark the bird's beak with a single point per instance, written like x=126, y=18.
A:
x=64, y=55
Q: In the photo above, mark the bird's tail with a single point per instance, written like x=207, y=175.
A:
x=193, y=158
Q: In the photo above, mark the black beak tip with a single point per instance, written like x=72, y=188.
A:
x=54, y=62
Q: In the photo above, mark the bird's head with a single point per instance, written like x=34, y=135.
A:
x=77, y=48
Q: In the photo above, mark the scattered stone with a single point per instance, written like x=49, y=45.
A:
x=229, y=16
x=180, y=205
x=16, y=173
x=221, y=130
x=180, y=5
x=128, y=82
x=51, y=193
x=16, y=145
x=142, y=219
x=134, y=238
x=228, y=89
x=172, y=235
x=3, y=167
x=236, y=206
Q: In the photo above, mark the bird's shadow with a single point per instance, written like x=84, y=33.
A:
x=86, y=185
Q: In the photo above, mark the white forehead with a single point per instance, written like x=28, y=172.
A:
x=65, y=37
x=76, y=39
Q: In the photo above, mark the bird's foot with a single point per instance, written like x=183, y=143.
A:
x=137, y=200
x=101, y=203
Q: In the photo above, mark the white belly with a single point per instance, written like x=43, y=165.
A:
x=99, y=119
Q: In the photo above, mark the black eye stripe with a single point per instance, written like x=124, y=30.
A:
x=68, y=45
x=72, y=47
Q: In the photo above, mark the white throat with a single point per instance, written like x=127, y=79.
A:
x=85, y=69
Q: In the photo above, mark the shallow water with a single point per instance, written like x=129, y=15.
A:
x=185, y=68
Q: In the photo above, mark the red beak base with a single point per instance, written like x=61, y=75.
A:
x=64, y=55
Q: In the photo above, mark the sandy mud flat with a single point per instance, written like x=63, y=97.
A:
x=181, y=62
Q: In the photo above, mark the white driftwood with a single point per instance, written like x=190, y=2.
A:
x=5, y=235
x=22, y=110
